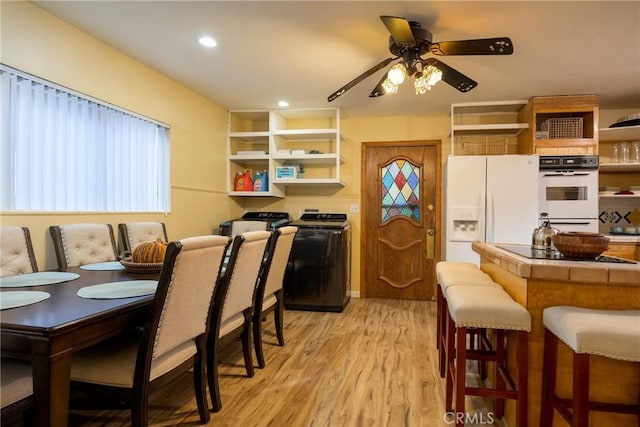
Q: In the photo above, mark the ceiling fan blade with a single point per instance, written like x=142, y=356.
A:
x=494, y=46
x=452, y=76
x=378, y=90
x=360, y=78
x=400, y=30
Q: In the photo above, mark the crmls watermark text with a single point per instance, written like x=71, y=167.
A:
x=477, y=418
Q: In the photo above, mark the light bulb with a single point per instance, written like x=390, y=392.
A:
x=429, y=77
x=389, y=87
x=397, y=73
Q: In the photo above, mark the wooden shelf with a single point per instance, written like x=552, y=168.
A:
x=486, y=120
x=619, y=167
x=629, y=133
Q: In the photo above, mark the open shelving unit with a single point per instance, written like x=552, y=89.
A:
x=486, y=127
x=307, y=139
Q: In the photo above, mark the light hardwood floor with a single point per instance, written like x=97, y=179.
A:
x=375, y=364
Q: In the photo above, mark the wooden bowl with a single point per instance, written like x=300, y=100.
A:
x=580, y=245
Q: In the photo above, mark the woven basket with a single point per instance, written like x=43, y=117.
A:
x=141, y=267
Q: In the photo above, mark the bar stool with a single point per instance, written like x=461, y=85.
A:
x=488, y=308
x=453, y=273
x=609, y=333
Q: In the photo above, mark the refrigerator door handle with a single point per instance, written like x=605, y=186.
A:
x=489, y=221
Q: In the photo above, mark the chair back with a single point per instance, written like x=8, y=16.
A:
x=240, y=227
x=243, y=279
x=133, y=233
x=183, y=301
x=79, y=244
x=16, y=251
x=274, y=272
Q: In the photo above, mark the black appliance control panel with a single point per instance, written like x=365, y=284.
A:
x=568, y=162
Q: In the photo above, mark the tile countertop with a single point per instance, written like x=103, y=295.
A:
x=568, y=271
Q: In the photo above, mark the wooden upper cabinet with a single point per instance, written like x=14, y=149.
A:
x=560, y=125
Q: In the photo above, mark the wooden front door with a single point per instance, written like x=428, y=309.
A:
x=401, y=187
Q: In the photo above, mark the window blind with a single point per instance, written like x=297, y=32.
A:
x=66, y=152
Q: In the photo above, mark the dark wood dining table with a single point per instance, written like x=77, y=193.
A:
x=50, y=331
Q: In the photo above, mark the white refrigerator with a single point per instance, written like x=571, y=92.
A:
x=490, y=199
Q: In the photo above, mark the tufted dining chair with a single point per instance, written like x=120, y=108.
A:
x=269, y=294
x=79, y=244
x=240, y=227
x=174, y=337
x=133, y=233
x=16, y=395
x=16, y=251
x=235, y=310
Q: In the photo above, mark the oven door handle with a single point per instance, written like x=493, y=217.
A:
x=570, y=222
x=565, y=174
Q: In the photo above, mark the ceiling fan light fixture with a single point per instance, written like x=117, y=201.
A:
x=397, y=74
x=389, y=87
x=429, y=77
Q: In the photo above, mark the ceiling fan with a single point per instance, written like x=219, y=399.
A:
x=408, y=42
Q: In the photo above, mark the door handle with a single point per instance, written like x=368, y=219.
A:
x=431, y=242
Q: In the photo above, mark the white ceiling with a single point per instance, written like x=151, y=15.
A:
x=304, y=50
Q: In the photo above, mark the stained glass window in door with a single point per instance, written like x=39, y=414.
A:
x=400, y=190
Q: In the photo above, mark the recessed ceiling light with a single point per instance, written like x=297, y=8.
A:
x=207, y=41
x=283, y=104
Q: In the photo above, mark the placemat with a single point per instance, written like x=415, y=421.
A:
x=103, y=266
x=13, y=299
x=126, y=289
x=37, y=279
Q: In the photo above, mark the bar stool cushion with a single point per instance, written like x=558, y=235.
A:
x=450, y=273
x=486, y=307
x=611, y=333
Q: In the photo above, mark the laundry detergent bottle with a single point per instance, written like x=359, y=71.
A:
x=261, y=181
x=243, y=181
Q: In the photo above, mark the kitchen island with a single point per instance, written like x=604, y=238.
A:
x=537, y=284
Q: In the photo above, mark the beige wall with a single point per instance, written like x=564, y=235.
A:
x=38, y=43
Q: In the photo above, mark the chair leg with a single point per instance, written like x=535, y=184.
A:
x=580, y=415
x=212, y=373
x=246, y=343
x=257, y=339
x=549, y=369
x=460, y=374
x=278, y=315
x=140, y=406
x=200, y=381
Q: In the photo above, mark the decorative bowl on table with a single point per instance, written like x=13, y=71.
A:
x=580, y=245
x=141, y=267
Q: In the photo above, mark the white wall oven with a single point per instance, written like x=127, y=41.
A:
x=569, y=192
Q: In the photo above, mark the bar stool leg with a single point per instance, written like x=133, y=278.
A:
x=548, y=378
x=450, y=362
x=580, y=415
x=522, y=408
x=441, y=319
x=460, y=374
x=499, y=379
